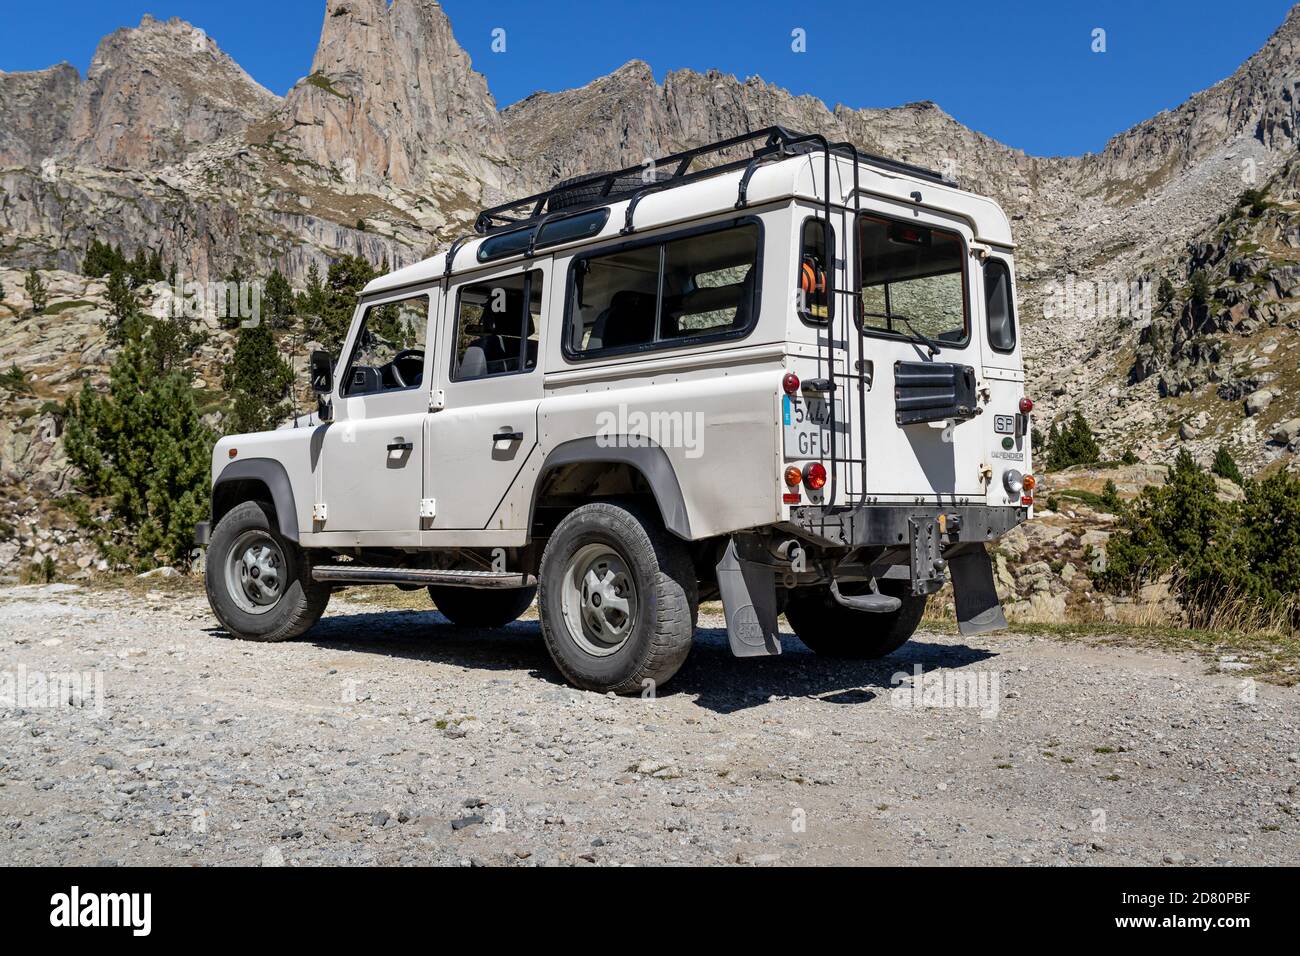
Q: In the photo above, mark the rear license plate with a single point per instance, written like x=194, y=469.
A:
x=806, y=427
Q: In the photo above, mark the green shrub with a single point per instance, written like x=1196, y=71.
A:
x=143, y=452
x=1198, y=287
x=1225, y=466
x=1072, y=445
x=1218, y=553
x=1110, y=499
x=258, y=380
x=36, y=291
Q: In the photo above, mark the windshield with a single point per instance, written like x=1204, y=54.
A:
x=912, y=281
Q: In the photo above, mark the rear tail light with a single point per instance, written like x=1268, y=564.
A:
x=1026, y=500
x=1026, y=406
x=790, y=384
x=814, y=476
x=1028, y=482
x=790, y=498
x=793, y=476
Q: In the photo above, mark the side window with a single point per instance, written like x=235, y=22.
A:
x=998, y=302
x=666, y=293
x=389, y=350
x=496, y=326
x=816, y=303
x=912, y=280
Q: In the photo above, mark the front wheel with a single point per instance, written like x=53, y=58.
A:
x=617, y=599
x=259, y=583
x=832, y=630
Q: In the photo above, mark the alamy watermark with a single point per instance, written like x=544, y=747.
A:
x=39, y=690
x=178, y=299
x=633, y=428
x=1084, y=299
x=973, y=689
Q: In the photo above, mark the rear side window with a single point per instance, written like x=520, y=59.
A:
x=649, y=295
x=998, y=302
x=496, y=326
x=815, y=301
x=912, y=280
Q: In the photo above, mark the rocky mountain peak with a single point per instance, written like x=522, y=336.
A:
x=390, y=96
x=155, y=92
x=34, y=110
x=1255, y=103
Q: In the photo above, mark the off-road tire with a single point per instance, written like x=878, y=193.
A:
x=660, y=631
x=830, y=629
x=302, y=600
x=481, y=607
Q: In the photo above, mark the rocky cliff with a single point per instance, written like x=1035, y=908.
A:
x=155, y=93
x=34, y=111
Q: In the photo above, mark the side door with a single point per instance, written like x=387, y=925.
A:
x=372, y=456
x=487, y=369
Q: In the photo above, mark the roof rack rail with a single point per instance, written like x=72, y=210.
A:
x=776, y=141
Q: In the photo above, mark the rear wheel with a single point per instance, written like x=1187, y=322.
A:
x=617, y=599
x=259, y=582
x=833, y=630
x=481, y=607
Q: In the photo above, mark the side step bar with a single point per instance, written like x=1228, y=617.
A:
x=352, y=574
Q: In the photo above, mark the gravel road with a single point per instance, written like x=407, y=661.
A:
x=390, y=737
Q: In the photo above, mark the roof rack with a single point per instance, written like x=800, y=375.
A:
x=675, y=170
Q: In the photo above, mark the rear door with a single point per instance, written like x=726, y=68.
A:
x=487, y=368
x=1006, y=430
x=915, y=305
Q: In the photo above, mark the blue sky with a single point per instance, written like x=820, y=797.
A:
x=1022, y=71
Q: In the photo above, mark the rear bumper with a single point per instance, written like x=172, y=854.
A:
x=885, y=526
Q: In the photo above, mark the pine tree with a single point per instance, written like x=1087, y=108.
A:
x=277, y=300
x=1225, y=466
x=143, y=452
x=1198, y=289
x=123, y=306
x=1072, y=445
x=101, y=260
x=258, y=380
x=36, y=291
x=344, y=282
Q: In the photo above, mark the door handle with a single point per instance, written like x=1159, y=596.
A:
x=506, y=434
x=397, y=444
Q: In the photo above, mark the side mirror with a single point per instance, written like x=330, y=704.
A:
x=320, y=369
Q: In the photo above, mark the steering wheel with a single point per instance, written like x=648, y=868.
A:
x=413, y=356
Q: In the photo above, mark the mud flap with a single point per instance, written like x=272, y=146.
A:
x=749, y=603
x=976, y=599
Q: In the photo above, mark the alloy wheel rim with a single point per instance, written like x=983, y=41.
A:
x=600, y=600
x=256, y=573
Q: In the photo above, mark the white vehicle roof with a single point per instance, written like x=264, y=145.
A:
x=797, y=177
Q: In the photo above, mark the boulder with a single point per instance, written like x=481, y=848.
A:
x=1286, y=432
x=1259, y=400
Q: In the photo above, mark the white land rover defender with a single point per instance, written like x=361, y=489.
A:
x=790, y=379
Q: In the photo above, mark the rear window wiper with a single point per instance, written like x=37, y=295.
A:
x=929, y=342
